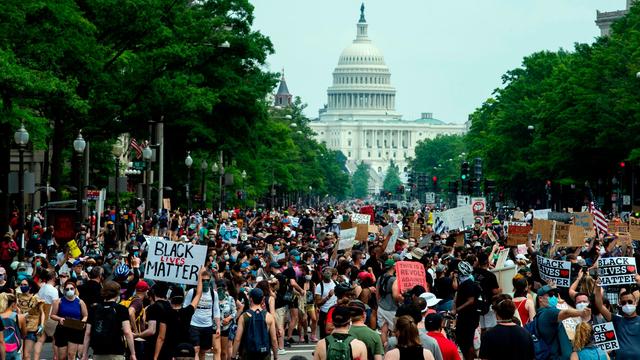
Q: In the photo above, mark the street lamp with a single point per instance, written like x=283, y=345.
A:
x=117, y=150
x=146, y=155
x=188, y=161
x=78, y=145
x=21, y=137
x=203, y=168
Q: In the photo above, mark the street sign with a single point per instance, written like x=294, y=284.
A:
x=139, y=165
x=626, y=199
x=430, y=198
x=93, y=194
x=479, y=205
x=463, y=200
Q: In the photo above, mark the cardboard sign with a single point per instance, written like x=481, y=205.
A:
x=416, y=231
x=518, y=215
x=410, y=274
x=362, y=232
x=174, y=262
x=373, y=229
x=346, y=225
x=347, y=237
x=518, y=234
x=556, y=270
x=458, y=218
x=562, y=232
x=615, y=227
x=360, y=218
x=624, y=238
x=74, y=251
x=544, y=229
x=559, y=216
x=541, y=214
x=166, y=204
x=391, y=246
x=584, y=220
x=604, y=337
x=502, y=257
x=425, y=240
x=634, y=228
x=617, y=270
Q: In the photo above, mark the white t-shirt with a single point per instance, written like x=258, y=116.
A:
x=48, y=293
x=206, y=309
x=332, y=300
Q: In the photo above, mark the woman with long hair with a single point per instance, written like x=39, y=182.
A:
x=524, y=305
x=583, y=348
x=409, y=345
x=506, y=340
x=15, y=326
x=69, y=337
x=228, y=314
x=33, y=308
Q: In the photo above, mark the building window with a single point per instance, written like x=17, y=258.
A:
x=405, y=169
x=379, y=154
x=379, y=169
x=349, y=133
x=394, y=154
x=368, y=154
x=349, y=142
x=349, y=154
x=321, y=132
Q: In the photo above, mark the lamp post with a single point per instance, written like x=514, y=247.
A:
x=146, y=155
x=78, y=145
x=188, y=161
x=203, y=168
x=244, y=177
x=117, y=150
x=21, y=137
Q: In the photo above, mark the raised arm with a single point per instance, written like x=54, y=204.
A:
x=599, y=303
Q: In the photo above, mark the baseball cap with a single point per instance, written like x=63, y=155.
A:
x=341, y=316
x=357, y=307
x=142, y=286
x=433, y=322
x=547, y=290
x=275, y=265
x=256, y=295
x=389, y=263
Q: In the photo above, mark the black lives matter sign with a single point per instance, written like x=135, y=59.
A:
x=604, y=337
x=617, y=271
x=174, y=262
x=557, y=271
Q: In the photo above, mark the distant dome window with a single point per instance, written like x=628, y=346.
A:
x=349, y=133
x=379, y=169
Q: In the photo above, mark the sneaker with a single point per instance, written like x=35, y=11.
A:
x=287, y=344
x=282, y=351
x=313, y=338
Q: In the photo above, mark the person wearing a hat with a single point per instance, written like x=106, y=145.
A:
x=344, y=293
x=184, y=351
x=466, y=308
x=256, y=315
x=341, y=318
x=362, y=332
x=387, y=288
x=136, y=308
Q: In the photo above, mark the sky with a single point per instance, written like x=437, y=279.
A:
x=445, y=56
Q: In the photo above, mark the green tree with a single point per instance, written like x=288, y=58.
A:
x=440, y=156
x=392, y=178
x=360, y=181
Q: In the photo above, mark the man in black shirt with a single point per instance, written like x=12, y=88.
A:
x=90, y=290
x=506, y=340
x=466, y=308
x=490, y=287
x=155, y=313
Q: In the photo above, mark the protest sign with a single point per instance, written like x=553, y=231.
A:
x=559, y=216
x=372, y=229
x=502, y=257
x=347, y=237
x=634, y=228
x=360, y=218
x=522, y=249
x=617, y=226
x=518, y=215
x=617, y=270
x=556, y=270
x=362, y=232
x=410, y=274
x=505, y=277
x=74, y=251
x=541, y=214
x=391, y=246
x=543, y=228
x=624, y=238
x=561, y=234
x=584, y=220
x=174, y=262
x=295, y=221
x=346, y=225
x=479, y=205
x=458, y=218
x=229, y=233
x=416, y=231
x=518, y=233
x=425, y=240
x=604, y=337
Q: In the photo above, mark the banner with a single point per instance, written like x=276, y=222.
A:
x=347, y=237
x=604, y=336
x=410, y=274
x=458, y=218
x=518, y=233
x=617, y=271
x=360, y=218
x=556, y=270
x=174, y=262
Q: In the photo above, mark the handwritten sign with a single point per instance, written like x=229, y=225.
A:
x=556, y=270
x=604, y=336
x=347, y=237
x=391, y=246
x=541, y=214
x=502, y=257
x=562, y=232
x=410, y=274
x=518, y=233
x=74, y=251
x=416, y=231
x=634, y=228
x=362, y=232
x=458, y=218
x=584, y=220
x=360, y=218
x=624, y=238
x=543, y=229
x=229, y=234
x=617, y=270
x=174, y=262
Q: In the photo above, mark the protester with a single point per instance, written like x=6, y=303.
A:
x=507, y=340
x=14, y=326
x=72, y=311
x=467, y=310
x=340, y=344
x=388, y=299
x=409, y=345
x=360, y=331
x=205, y=318
x=433, y=325
x=32, y=307
x=583, y=346
x=627, y=325
x=256, y=332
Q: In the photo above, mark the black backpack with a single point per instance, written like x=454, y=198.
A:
x=384, y=285
x=106, y=330
x=256, y=334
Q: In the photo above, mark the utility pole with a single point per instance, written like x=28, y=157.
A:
x=160, y=159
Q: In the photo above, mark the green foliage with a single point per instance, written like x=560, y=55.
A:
x=392, y=178
x=440, y=156
x=360, y=181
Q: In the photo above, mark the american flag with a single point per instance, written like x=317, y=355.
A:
x=600, y=223
x=134, y=144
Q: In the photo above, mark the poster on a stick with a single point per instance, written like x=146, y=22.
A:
x=360, y=218
x=410, y=274
x=543, y=229
x=518, y=233
x=391, y=246
x=617, y=271
x=174, y=262
x=347, y=237
x=604, y=337
x=557, y=271
x=584, y=220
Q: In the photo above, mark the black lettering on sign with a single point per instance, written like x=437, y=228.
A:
x=159, y=248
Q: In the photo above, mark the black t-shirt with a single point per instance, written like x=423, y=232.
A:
x=488, y=282
x=156, y=312
x=444, y=288
x=178, y=324
x=283, y=283
x=467, y=290
x=90, y=292
x=113, y=347
x=506, y=342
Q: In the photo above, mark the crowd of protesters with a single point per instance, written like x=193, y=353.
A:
x=275, y=278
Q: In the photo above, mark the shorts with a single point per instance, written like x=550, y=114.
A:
x=64, y=336
x=386, y=316
x=32, y=335
x=201, y=336
x=281, y=316
x=488, y=320
x=309, y=308
x=301, y=303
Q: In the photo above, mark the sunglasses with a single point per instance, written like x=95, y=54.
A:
x=64, y=276
x=627, y=302
x=70, y=288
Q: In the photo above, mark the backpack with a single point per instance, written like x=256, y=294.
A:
x=339, y=346
x=483, y=305
x=139, y=326
x=383, y=285
x=541, y=349
x=12, y=342
x=256, y=334
x=106, y=331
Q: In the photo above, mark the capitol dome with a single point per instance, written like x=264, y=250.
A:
x=361, y=88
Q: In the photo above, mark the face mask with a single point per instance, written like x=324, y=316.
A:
x=438, y=242
x=24, y=289
x=276, y=248
x=1, y=277
x=89, y=268
x=226, y=257
x=206, y=285
x=326, y=276
x=243, y=289
x=307, y=277
x=38, y=263
x=629, y=309
x=135, y=254
x=581, y=306
x=553, y=301
x=69, y=293
x=297, y=258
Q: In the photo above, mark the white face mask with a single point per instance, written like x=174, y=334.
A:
x=581, y=306
x=629, y=309
x=69, y=293
x=307, y=277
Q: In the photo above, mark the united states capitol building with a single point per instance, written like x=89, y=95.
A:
x=360, y=117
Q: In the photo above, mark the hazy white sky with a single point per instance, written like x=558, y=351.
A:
x=445, y=56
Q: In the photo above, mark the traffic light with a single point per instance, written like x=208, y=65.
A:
x=489, y=186
x=477, y=169
x=475, y=187
x=434, y=181
x=411, y=179
x=466, y=187
x=622, y=164
x=464, y=171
